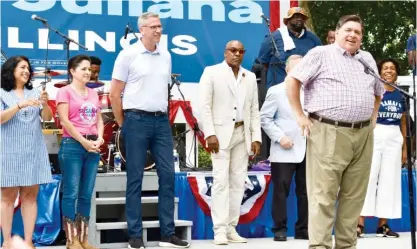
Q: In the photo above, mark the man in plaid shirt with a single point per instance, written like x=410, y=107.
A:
x=342, y=102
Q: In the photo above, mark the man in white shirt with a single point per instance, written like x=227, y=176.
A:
x=230, y=117
x=287, y=156
x=142, y=73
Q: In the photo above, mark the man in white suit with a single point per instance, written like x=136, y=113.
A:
x=231, y=124
x=287, y=155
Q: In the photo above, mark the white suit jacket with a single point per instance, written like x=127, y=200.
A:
x=278, y=120
x=219, y=105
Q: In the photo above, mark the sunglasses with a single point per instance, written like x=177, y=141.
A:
x=235, y=50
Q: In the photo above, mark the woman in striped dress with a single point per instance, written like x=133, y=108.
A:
x=24, y=160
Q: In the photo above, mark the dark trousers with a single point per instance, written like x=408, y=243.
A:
x=140, y=132
x=282, y=174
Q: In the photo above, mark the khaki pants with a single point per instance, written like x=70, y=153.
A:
x=338, y=168
x=229, y=175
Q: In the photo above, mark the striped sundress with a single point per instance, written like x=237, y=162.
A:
x=24, y=156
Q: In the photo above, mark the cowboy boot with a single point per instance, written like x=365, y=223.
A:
x=82, y=227
x=71, y=234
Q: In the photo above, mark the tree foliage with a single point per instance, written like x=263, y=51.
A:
x=388, y=24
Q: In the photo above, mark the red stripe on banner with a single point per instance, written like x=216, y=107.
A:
x=192, y=180
x=274, y=14
x=259, y=203
x=293, y=4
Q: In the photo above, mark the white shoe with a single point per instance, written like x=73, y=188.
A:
x=236, y=238
x=220, y=239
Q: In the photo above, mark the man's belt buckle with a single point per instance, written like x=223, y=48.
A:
x=359, y=123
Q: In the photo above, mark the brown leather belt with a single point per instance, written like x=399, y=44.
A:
x=238, y=124
x=356, y=125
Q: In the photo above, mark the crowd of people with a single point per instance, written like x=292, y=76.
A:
x=338, y=129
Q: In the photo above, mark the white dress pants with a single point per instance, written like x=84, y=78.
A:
x=229, y=174
x=383, y=198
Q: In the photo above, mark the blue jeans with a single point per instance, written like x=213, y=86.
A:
x=79, y=170
x=140, y=133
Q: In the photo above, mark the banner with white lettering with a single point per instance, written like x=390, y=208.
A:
x=256, y=190
x=195, y=32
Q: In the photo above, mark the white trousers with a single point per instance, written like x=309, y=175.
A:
x=229, y=174
x=383, y=198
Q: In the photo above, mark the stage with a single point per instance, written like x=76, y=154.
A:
x=369, y=242
x=110, y=187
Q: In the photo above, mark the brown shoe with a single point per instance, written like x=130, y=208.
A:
x=82, y=227
x=71, y=234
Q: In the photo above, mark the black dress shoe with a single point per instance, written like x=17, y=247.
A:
x=280, y=236
x=301, y=235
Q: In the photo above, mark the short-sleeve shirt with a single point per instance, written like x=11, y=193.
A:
x=391, y=108
x=276, y=66
x=147, y=76
x=335, y=84
x=82, y=111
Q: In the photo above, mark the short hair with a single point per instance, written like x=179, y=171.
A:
x=8, y=81
x=75, y=61
x=349, y=18
x=382, y=62
x=95, y=60
x=145, y=16
x=232, y=41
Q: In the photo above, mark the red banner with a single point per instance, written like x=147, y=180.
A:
x=274, y=12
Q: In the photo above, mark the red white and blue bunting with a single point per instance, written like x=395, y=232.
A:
x=256, y=190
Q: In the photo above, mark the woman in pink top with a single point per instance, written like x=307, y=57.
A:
x=79, y=153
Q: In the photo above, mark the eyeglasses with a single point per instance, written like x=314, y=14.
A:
x=153, y=28
x=235, y=50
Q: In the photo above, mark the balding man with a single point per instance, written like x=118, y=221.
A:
x=230, y=117
x=287, y=156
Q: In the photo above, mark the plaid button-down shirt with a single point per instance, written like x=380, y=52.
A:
x=335, y=84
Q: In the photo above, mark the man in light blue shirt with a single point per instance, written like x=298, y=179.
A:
x=142, y=73
x=287, y=156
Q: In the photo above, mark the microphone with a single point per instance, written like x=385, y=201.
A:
x=365, y=64
x=37, y=18
x=175, y=80
x=126, y=31
x=265, y=18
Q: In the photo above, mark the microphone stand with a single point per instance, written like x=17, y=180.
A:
x=275, y=51
x=67, y=43
x=3, y=54
x=196, y=128
x=414, y=72
x=131, y=30
x=406, y=96
x=265, y=147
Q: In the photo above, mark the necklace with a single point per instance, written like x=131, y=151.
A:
x=83, y=93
